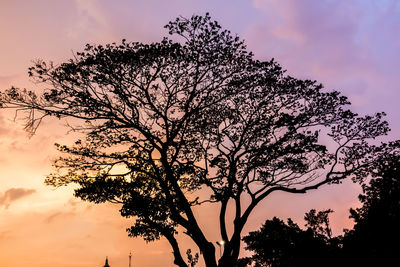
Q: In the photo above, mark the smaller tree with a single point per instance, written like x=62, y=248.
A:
x=280, y=244
x=374, y=240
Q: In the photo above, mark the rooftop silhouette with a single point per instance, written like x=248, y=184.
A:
x=106, y=264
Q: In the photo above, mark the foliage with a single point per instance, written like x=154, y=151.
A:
x=374, y=238
x=286, y=244
x=319, y=222
x=372, y=242
x=166, y=120
x=192, y=260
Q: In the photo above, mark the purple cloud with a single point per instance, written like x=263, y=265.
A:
x=351, y=46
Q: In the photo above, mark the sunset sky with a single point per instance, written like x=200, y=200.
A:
x=349, y=45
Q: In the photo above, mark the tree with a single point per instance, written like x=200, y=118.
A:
x=167, y=120
x=374, y=240
x=277, y=244
x=319, y=222
x=280, y=244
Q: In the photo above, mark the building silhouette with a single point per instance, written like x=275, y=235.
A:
x=130, y=261
x=106, y=265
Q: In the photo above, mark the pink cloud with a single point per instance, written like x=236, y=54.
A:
x=310, y=36
x=13, y=194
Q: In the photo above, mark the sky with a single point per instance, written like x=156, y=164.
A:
x=348, y=45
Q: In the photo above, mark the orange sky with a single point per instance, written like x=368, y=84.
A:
x=350, y=46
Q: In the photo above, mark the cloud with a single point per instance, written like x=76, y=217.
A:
x=91, y=20
x=70, y=209
x=350, y=46
x=13, y=194
x=311, y=35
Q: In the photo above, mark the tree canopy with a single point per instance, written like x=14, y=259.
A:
x=373, y=241
x=167, y=120
x=374, y=238
x=278, y=244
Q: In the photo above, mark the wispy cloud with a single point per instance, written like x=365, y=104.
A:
x=350, y=46
x=91, y=20
x=13, y=194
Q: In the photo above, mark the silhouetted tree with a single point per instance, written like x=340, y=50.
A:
x=374, y=240
x=166, y=120
x=279, y=244
x=319, y=222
